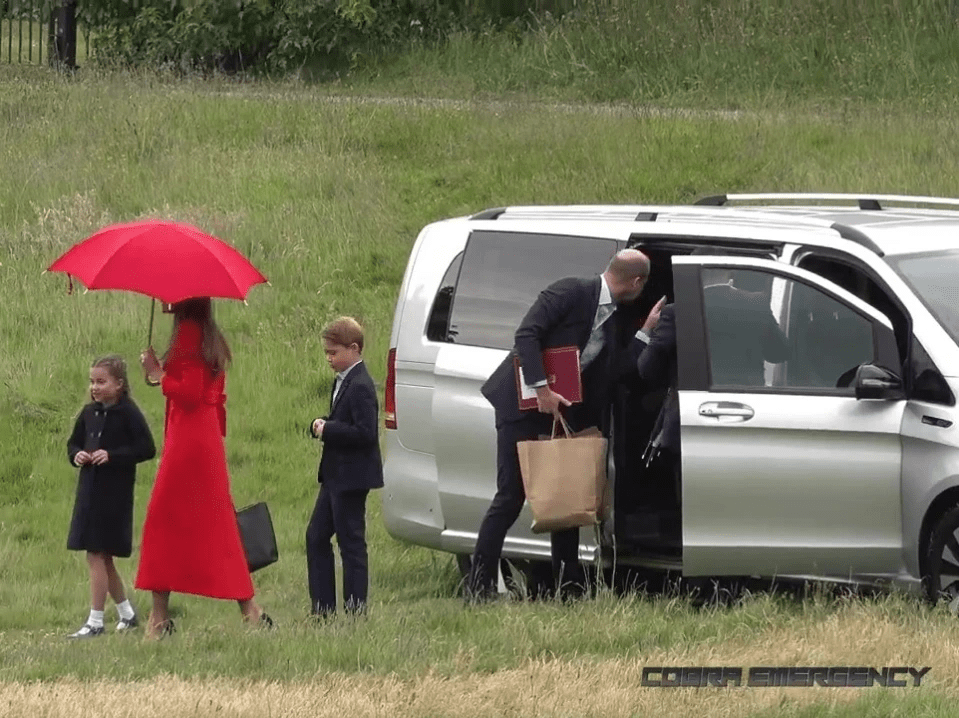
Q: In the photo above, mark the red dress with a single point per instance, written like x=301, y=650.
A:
x=191, y=543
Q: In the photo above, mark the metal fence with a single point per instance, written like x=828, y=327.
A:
x=41, y=31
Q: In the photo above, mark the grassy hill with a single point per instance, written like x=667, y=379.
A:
x=325, y=188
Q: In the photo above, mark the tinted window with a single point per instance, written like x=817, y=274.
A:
x=933, y=277
x=780, y=333
x=927, y=383
x=438, y=326
x=503, y=273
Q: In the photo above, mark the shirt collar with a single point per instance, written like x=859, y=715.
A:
x=605, y=297
x=342, y=375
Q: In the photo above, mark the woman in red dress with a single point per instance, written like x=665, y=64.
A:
x=191, y=543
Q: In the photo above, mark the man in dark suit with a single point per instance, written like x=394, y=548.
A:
x=575, y=311
x=349, y=467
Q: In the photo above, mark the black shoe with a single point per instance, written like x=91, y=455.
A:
x=126, y=624
x=266, y=622
x=87, y=631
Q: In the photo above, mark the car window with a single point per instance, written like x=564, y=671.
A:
x=933, y=277
x=503, y=272
x=438, y=325
x=926, y=381
x=764, y=330
x=855, y=280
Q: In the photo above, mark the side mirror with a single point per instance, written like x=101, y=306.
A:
x=876, y=382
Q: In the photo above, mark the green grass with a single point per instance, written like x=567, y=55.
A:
x=718, y=53
x=326, y=194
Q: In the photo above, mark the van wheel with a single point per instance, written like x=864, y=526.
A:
x=941, y=575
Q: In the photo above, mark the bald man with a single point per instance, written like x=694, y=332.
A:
x=576, y=311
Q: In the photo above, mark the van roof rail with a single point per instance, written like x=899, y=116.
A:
x=493, y=213
x=865, y=202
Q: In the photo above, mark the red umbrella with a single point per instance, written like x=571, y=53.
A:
x=169, y=261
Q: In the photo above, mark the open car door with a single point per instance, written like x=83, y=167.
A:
x=784, y=470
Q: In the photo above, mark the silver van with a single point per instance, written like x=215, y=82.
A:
x=840, y=462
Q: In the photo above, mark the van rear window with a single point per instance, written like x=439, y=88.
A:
x=503, y=272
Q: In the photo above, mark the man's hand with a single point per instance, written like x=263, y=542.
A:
x=548, y=401
x=81, y=458
x=652, y=319
x=99, y=457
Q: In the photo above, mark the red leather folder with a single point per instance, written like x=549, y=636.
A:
x=562, y=375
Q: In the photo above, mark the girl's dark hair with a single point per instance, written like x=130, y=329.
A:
x=117, y=368
x=214, y=348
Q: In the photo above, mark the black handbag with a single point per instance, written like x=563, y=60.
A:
x=256, y=533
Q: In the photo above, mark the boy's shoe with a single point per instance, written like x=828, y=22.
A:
x=87, y=631
x=128, y=623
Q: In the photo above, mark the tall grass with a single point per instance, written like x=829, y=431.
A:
x=728, y=53
x=326, y=196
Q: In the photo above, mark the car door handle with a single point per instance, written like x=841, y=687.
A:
x=726, y=411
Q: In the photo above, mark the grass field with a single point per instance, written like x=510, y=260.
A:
x=325, y=193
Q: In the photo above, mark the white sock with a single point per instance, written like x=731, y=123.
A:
x=95, y=619
x=125, y=610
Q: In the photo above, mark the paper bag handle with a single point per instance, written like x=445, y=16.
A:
x=558, y=419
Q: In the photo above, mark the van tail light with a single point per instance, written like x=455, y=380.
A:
x=389, y=395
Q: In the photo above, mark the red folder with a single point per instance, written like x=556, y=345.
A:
x=562, y=376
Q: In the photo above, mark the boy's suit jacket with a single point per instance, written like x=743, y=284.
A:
x=351, y=449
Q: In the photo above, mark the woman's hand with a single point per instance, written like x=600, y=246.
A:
x=152, y=371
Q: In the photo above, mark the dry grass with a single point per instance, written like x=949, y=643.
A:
x=572, y=686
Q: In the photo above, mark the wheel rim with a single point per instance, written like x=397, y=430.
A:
x=948, y=578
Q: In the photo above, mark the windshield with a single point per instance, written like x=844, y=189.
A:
x=935, y=278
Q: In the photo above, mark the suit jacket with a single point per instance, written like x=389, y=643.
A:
x=742, y=334
x=656, y=364
x=351, y=448
x=562, y=315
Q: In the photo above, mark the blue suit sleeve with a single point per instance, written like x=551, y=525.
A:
x=552, y=305
x=655, y=363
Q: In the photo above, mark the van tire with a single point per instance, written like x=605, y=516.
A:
x=944, y=532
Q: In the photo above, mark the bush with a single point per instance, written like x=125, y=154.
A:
x=277, y=35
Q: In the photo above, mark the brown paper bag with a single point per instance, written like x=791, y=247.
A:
x=564, y=478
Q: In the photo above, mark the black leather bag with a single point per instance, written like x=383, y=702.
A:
x=256, y=533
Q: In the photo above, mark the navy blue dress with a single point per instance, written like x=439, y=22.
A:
x=103, y=510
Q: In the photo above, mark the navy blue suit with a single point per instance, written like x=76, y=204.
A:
x=349, y=467
x=562, y=315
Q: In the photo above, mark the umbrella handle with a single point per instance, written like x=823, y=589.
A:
x=153, y=306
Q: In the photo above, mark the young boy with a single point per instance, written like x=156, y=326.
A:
x=349, y=467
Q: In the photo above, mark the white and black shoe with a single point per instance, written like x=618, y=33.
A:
x=87, y=631
x=128, y=623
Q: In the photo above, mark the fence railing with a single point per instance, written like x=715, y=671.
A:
x=41, y=31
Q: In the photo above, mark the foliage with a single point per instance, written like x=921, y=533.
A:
x=272, y=35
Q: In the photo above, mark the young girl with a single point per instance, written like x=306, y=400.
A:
x=109, y=439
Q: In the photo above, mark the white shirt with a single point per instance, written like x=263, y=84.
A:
x=338, y=382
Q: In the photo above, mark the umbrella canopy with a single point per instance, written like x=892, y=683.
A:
x=169, y=261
